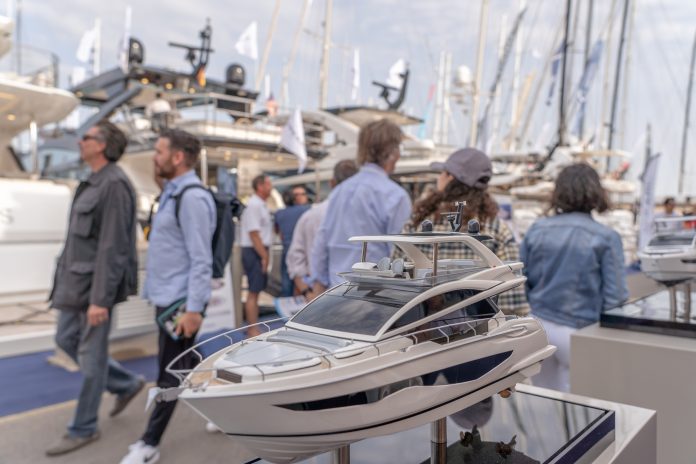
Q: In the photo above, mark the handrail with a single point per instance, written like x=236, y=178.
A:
x=413, y=337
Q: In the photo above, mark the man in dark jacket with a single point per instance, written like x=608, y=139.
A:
x=96, y=270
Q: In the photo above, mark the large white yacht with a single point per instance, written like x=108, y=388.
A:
x=399, y=344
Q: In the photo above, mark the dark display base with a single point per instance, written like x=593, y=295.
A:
x=652, y=314
x=544, y=429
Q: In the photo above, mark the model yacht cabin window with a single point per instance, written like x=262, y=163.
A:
x=685, y=238
x=355, y=308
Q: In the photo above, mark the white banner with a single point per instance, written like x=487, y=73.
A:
x=293, y=138
x=87, y=42
x=356, y=75
x=647, y=202
x=395, y=78
x=247, y=43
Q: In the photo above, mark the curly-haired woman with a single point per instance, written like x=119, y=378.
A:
x=464, y=176
x=574, y=266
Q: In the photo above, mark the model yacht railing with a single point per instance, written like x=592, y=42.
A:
x=444, y=333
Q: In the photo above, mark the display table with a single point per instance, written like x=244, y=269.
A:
x=548, y=426
x=643, y=369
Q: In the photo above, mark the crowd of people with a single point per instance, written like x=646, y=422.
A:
x=97, y=268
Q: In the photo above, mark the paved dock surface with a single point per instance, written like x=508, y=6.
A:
x=24, y=437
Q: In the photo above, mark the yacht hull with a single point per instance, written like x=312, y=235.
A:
x=669, y=268
x=294, y=416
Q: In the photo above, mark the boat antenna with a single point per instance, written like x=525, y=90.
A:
x=386, y=89
x=455, y=217
x=198, y=57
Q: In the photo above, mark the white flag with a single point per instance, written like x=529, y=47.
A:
x=356, y=75
x=84, y=50
x=647, y=201
x=293, y=138
x=77, y=75
x=247, y=44
x=125, y=42
x=395, y=78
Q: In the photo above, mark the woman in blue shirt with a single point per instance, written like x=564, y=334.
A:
x=574, y=266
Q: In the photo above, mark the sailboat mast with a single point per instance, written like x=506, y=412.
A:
x=267, y=47
x=483, y=23
x=293, y=52
x=588, y=39
x=627, y=73
x=324, y=72
x=685, y=133
x=561, y=106
x=617, y=78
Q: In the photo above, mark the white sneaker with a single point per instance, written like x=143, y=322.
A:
x=212, y=428
x=140, y=453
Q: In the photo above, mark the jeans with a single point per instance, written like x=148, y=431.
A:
x=287, y=286
x=88, y=346
x=169, y=349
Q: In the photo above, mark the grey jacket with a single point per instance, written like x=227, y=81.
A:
x=98, y=264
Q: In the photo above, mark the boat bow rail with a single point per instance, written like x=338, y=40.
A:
x=312, y=352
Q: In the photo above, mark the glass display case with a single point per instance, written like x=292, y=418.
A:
x=522, y=429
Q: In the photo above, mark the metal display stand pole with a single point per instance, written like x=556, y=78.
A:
x=341, y=455
x=673, y=302
x=687, y=301
x=438, y=441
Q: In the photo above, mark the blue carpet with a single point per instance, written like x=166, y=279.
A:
x=31, y=382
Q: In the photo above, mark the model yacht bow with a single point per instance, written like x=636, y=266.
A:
x=670, y=256
x=401, y=343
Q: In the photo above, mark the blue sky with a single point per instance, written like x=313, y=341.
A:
x=386, y=30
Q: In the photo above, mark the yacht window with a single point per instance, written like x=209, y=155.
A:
x=675, y=239
x=355, y=308
x=439, y=303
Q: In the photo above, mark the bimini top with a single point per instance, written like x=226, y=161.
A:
x=417, y=268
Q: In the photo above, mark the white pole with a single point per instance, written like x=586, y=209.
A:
x=496, y=96
x=267, y=47
x=483, y=23
x=607, y=75
x=627, y=71
x=437, y=121
x=96, y=57
x=324, y=72
x=516, y=69
x=446, y=110
x=284, y=98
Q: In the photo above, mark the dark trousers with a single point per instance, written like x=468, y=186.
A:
x=168, y=350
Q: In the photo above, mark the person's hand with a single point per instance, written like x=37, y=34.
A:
x=317, y=289
x=264, y=264
x=188, y=324
x=97, y=315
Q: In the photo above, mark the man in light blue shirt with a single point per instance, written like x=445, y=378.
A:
x=179, y=270
x=369, y=203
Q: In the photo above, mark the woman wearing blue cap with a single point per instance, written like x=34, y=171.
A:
x=464, y=177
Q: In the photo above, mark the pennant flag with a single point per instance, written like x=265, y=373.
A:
x=200, y=77
x=293, y=138
x=356, y=75
x=586, y=82
x=271, y=106
x=247, y=44
x=86, y=47
x=125, y=42
x=647, y=201
x=555, y=66
x=395, y=78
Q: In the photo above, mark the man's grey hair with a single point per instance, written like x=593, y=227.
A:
x=343, y=170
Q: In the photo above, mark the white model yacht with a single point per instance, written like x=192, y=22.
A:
x=670, y=256
x=399, y=344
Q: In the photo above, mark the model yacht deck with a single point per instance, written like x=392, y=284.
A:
x=401, y=343
x=670, y=256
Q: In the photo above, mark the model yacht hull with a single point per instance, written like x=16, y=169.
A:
x=669, y=267
x=319, y=408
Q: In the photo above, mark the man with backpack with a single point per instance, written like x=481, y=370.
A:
x=179, y=270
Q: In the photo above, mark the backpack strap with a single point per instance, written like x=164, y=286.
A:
x=177, y=197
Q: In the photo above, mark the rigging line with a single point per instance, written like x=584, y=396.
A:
x=663, y=54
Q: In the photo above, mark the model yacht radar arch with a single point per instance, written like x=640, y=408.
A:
x=401, y=343
x=670, y=256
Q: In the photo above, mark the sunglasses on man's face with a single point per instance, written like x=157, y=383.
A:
x=87, y=137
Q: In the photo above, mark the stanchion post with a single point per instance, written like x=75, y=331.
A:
x=341, y=455
x=438, y=441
